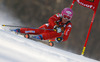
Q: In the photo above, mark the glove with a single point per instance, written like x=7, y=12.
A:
x=59, y=39
x=57, y=29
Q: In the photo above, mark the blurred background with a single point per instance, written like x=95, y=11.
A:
x=34, y=13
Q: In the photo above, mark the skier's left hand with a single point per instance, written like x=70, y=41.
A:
x=59, y=39
x=57, y=29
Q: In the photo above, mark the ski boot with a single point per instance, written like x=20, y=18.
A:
x=51, y=43
x=16, y=30
x=38, y=37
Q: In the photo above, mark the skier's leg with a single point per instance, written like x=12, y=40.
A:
x=51, y=35
x=47, y=34
x=45, y=26
x=31, y=31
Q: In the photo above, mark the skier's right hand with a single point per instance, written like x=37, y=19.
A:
x=59, y=39
x=57, y=29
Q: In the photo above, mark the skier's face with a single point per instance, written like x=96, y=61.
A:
x=65, y=18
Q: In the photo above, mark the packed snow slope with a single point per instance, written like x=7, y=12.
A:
x=14, y=48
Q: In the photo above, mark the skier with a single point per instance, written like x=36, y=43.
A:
x=60, y=23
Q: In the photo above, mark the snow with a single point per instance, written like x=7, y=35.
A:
x=14, y=48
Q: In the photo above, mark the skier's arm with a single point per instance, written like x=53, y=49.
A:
x=67, y=32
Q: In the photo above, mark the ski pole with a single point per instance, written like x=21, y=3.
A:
x=26, y=27
x=13, y=26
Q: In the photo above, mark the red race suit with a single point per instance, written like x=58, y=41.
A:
x=50, y=34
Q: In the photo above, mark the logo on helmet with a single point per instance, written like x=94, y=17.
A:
x=68, y=12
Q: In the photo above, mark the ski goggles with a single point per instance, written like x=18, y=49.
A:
x=66, y=17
